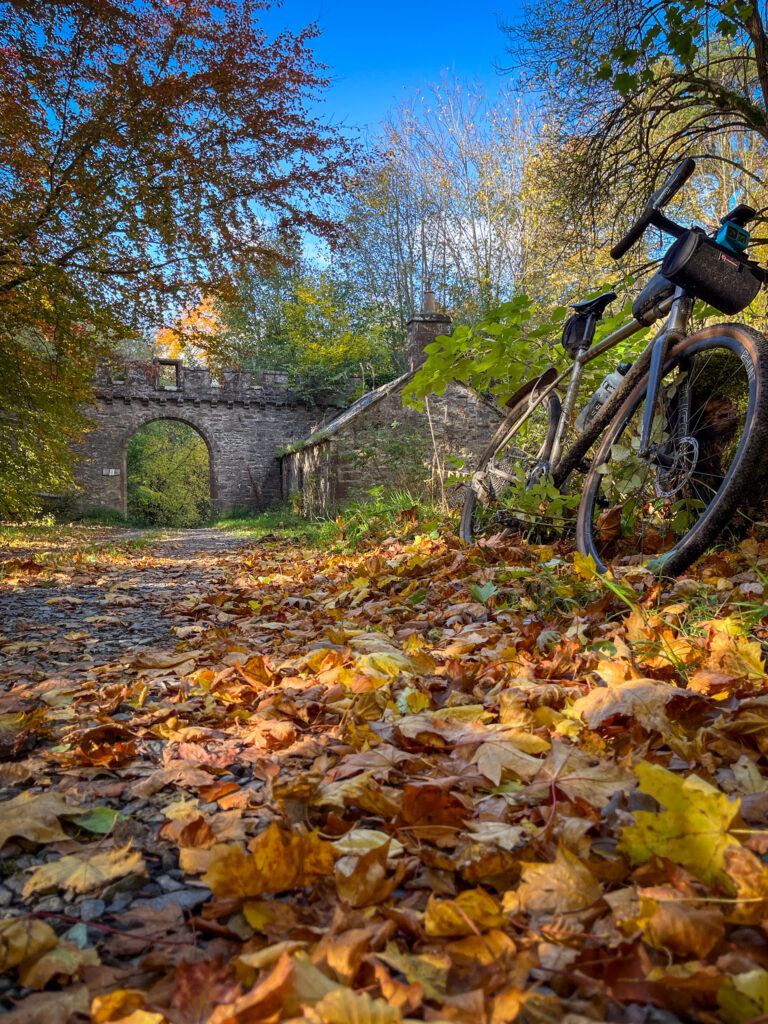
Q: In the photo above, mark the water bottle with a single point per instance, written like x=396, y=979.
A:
x=609, y=384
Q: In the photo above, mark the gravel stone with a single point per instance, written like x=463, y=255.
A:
x=92, y=910
x=50, y=905
x=187, y=899
x=168, y=884
x=6, y=896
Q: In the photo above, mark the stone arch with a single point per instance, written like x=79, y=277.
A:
x=189, y=419
x=244, y=424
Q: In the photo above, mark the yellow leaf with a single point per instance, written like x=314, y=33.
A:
x=35, y=816
x=84, y=872
x=257, y=914
x=430, y=970
x=248, y=964
x=471, y=911
x=361, y=840
x=585, y=565
x=63, y=962
x=116, y=1005
x=744, y=997
x=691, y=831
x=742, y=658
x=23, y=939
x=278, y=861
x=347, y=1007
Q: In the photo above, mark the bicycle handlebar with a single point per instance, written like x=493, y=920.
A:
x=635, y=232
x=652, y=213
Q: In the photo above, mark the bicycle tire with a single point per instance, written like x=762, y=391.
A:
x=706, y=488
x=469, y=529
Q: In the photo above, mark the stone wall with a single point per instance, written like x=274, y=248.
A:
x=244, y=426
x=333, y=468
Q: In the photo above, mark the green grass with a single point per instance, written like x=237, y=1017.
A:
x=384, y=513
x=278, y=521
x=45, y=537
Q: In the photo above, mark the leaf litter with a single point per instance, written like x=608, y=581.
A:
x=416, y=783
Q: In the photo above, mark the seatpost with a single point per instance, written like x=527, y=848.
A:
x=569, y=402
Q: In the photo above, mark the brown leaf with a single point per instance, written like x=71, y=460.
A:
x=682, y=928
x=365, y=880
x=564, y=887
x=278, y=861
x=50, y=1007
x=643, y=699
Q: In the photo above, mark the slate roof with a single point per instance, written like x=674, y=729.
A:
x=358, y=407
x=351, y=413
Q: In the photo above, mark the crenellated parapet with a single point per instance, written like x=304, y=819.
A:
x=169, y=381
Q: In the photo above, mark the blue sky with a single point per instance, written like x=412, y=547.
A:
x=380, y=54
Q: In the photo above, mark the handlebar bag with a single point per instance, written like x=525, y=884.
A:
x=645, y=308
x=710, y=272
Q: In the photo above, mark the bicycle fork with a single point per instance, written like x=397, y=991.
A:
x=676, y=330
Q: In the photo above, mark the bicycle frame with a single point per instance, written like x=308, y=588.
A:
x=651, y=359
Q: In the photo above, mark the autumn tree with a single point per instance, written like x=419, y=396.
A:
x=438, y=204
x=640, y=85
x=151, y=150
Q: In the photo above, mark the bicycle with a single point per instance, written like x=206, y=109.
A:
x=680, y=432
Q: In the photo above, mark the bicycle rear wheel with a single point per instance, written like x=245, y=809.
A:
x=709, y=436
x=500, y=495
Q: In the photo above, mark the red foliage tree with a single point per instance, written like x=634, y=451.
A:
x=150, y=149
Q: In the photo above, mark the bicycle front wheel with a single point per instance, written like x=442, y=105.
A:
x=710, y=429
x=502, y=494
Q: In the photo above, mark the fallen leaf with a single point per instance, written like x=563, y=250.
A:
x=23, y=939
x=565, y=886
x=63, y=963
x=278, y=861
x=35, y=816
x=472, y=911
x=691, y=831
x=85, y=872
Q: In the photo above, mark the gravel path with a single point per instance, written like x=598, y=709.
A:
x=68, y=622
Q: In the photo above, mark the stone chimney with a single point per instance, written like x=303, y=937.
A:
x=423, y=328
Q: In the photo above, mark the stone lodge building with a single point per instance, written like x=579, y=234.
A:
x=378, y=440
x=266, y=443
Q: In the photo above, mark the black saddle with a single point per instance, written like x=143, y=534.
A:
x=594, y=307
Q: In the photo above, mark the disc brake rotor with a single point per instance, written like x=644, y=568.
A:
x=671, y=479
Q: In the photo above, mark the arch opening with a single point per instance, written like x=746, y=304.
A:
x=169, y=473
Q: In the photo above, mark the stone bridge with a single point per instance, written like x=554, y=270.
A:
x=244, y=425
